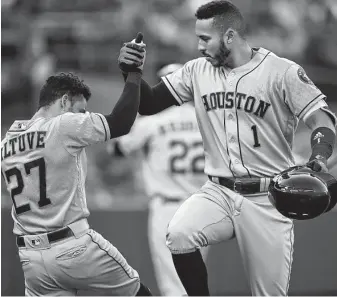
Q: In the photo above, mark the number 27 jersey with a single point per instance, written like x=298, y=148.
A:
x=44, y=165
x=247, y=115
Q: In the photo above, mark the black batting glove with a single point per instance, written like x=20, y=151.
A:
x=132, y=55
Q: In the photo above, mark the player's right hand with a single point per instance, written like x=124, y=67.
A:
x=319, y=164
x=132, y=55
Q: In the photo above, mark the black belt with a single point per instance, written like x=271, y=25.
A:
x=239, y=185
x=52, y=236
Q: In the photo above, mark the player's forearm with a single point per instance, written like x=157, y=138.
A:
x=125, y=111
x=147, y=99
x=323, y=134
x=154, y=99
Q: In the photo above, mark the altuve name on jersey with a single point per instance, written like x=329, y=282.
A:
x=23, y=142
x=225, y=100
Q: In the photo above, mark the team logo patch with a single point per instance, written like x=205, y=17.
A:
x=36, y=242
x=21, y=126
x=318, y=137
x=303, y=76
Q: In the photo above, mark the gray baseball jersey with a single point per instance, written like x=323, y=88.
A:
x=247, y=115
x=44, y=166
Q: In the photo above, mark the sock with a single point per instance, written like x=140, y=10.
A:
x=143, y=291
x=192, y=273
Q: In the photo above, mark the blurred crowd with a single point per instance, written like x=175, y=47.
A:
x=40, y=37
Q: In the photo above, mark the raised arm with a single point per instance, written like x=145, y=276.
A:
x=123, y=115
x=152, y=99
x=155, y=99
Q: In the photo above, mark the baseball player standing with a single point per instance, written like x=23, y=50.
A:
x=43, y=162
x=173, y=169
x=248, y=102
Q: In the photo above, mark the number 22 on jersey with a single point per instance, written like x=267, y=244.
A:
x=187, y=157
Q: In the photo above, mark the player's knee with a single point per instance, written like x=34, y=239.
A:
x=182, y=238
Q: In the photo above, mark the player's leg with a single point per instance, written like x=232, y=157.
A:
x=91, y=263
x=143, y=291
x=160, y=214
x=266, y=241
x=37, y=279
x=203, y=219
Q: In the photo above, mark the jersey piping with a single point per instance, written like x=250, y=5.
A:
x=172, y=89
x=236, y=111
x=316, y=98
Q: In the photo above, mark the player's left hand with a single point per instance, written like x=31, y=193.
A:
x=318, y=164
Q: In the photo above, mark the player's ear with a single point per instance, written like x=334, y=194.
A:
x=63, y=101
x=229, y=36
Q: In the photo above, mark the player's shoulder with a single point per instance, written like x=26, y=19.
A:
x=277, y=63
x=198, y=64
x=75, y=119
x=19, y=127
x=71, y=117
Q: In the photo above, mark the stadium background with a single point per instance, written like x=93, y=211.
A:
x=41, y=37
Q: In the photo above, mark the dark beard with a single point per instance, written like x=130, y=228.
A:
x=222, y=55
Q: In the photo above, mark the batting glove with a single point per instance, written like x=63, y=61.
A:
x=132, y=55
x=319, y=164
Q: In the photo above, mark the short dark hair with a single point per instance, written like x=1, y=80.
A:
x=58, y=85
x=225, y=15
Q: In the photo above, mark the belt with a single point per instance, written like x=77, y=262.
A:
x=243, y=185
x=52, y=236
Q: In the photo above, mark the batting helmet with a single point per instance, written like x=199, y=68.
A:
x=302, y=194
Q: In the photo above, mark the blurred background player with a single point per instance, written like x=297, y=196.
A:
x=172, y=169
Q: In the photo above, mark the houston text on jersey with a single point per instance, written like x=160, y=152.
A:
x=250, y=104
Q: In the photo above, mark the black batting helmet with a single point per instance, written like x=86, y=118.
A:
x=301, y=193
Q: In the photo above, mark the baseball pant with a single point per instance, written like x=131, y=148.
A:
x=85, y=261
x=265, y=237
x=160, y=214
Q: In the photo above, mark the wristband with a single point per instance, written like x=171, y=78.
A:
x=322, y=142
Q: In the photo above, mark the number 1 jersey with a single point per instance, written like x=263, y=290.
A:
x=247, y=115
x=43, y=163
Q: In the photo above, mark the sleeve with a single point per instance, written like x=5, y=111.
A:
x=140, y=133
x=179, y=83
x=300, y=93
x=80, y=130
